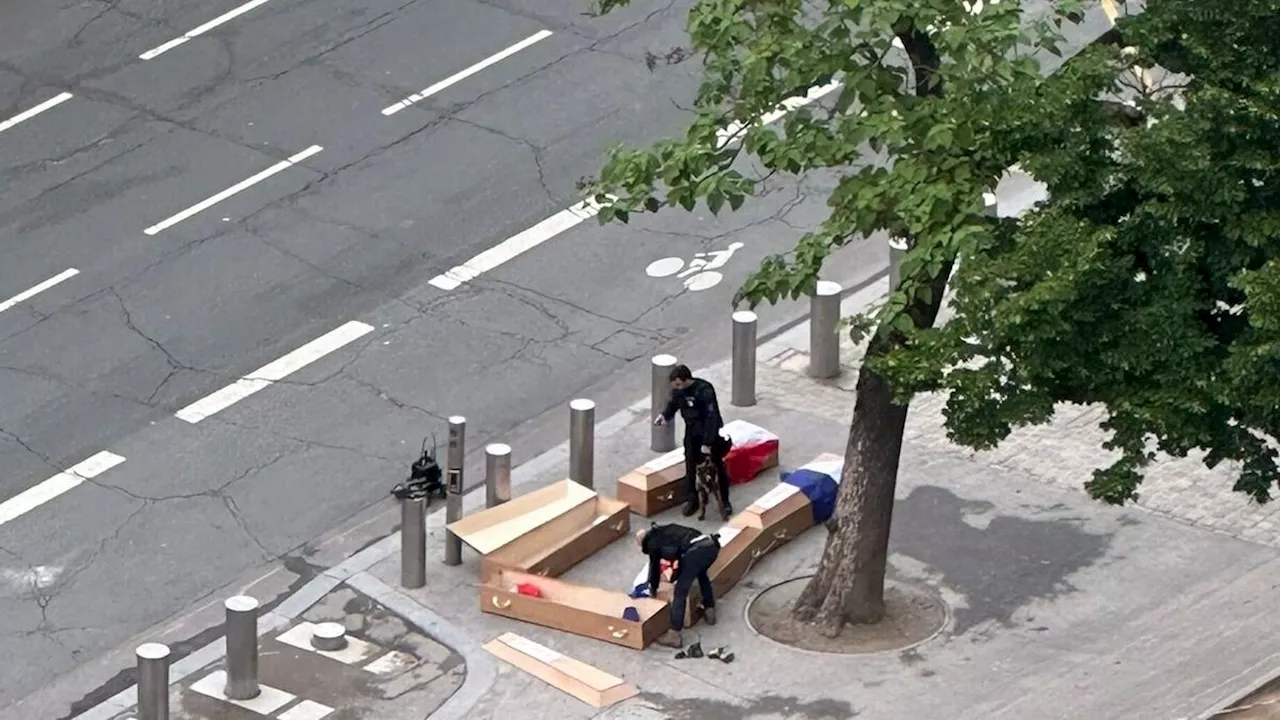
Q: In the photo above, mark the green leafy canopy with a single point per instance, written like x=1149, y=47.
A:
x=1148, y=282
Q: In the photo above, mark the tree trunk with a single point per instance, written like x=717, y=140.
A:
x=849, y=583
x=848, y=586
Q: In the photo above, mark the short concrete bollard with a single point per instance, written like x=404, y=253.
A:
x=582, y=442
x=329, y=636
x=497, y=474
x=241, y=632
x=153, y=681
x=824, y=328
x=897, y=250
x=743, y=392
x=662, y=438
x=413, y=543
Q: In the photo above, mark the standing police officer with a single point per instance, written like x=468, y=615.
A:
x=695, y=399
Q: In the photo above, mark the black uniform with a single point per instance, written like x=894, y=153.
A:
x=700, y=410
x=696, y=552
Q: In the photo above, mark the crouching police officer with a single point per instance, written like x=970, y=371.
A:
x=695, y=552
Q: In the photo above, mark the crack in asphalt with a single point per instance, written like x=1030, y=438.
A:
x=530, y=349
x=175, y=365
x=529, y=145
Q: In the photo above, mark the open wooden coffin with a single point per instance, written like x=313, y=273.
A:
x=579, y=609
x=559, y=544
x=546, y=531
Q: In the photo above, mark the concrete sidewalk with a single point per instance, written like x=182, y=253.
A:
x=1059, y=607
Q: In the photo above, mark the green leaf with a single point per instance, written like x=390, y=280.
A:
x=715, y=201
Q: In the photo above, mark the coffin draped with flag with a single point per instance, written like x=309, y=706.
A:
x=754, y=450
x=819, y=480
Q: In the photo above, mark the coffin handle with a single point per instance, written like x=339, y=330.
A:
x=501, y=604
x=618, y=633
x=543, y=572
x=621, y=524
x=757, y=553
x=667, y=497
x=780, y=535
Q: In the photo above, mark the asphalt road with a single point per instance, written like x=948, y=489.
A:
x=168, y=305
x=161, y=314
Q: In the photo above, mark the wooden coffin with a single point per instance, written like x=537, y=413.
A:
x=554, y=547
x=780, y=515
x=739, y=550
x=589, y=684
x=656, y=486
x=578, y=609
x=488, y=531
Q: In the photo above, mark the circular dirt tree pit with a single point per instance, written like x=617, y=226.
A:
x=913, y=614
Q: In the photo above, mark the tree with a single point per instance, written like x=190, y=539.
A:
x=937, y=99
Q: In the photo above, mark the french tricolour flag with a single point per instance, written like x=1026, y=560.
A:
x=819, y=480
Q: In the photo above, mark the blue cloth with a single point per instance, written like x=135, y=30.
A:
x=640, y=591
x=631, y=614
x=820, y=488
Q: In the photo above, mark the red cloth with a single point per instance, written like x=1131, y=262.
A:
x=528, y=589
x=753, y=450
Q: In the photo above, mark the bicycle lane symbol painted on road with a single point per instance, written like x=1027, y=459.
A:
x=700, y=274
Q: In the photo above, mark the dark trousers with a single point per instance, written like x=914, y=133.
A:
x=694, y=564
x=693, y=455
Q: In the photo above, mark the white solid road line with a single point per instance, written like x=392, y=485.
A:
x=238, y=187
x=515, y=245
x=458, y=77
x=273, y=372
x=736, y=131
x=26, y=295
x=225, y=17
x=32, y=112
x=72, y=477
x=565, y=219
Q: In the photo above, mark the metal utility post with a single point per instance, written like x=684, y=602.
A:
x=582, y=442
x=744, y=359
x=824, y=329
x=413, y=542
x=153, y=681
x=497, y=474
x=661, y=438
x=453, y=487
x=241, y=632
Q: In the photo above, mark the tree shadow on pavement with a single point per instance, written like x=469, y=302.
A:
x=999, y=563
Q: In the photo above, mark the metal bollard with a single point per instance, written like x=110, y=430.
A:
x=413, y=543
x=897, y=250
x=153, y=681
x=453, y=487
x=990, y=206
x=582, y=442
x=744, y=359
x=824, y=327
x=241, y=632
x=661, y=438
x=497, y=474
